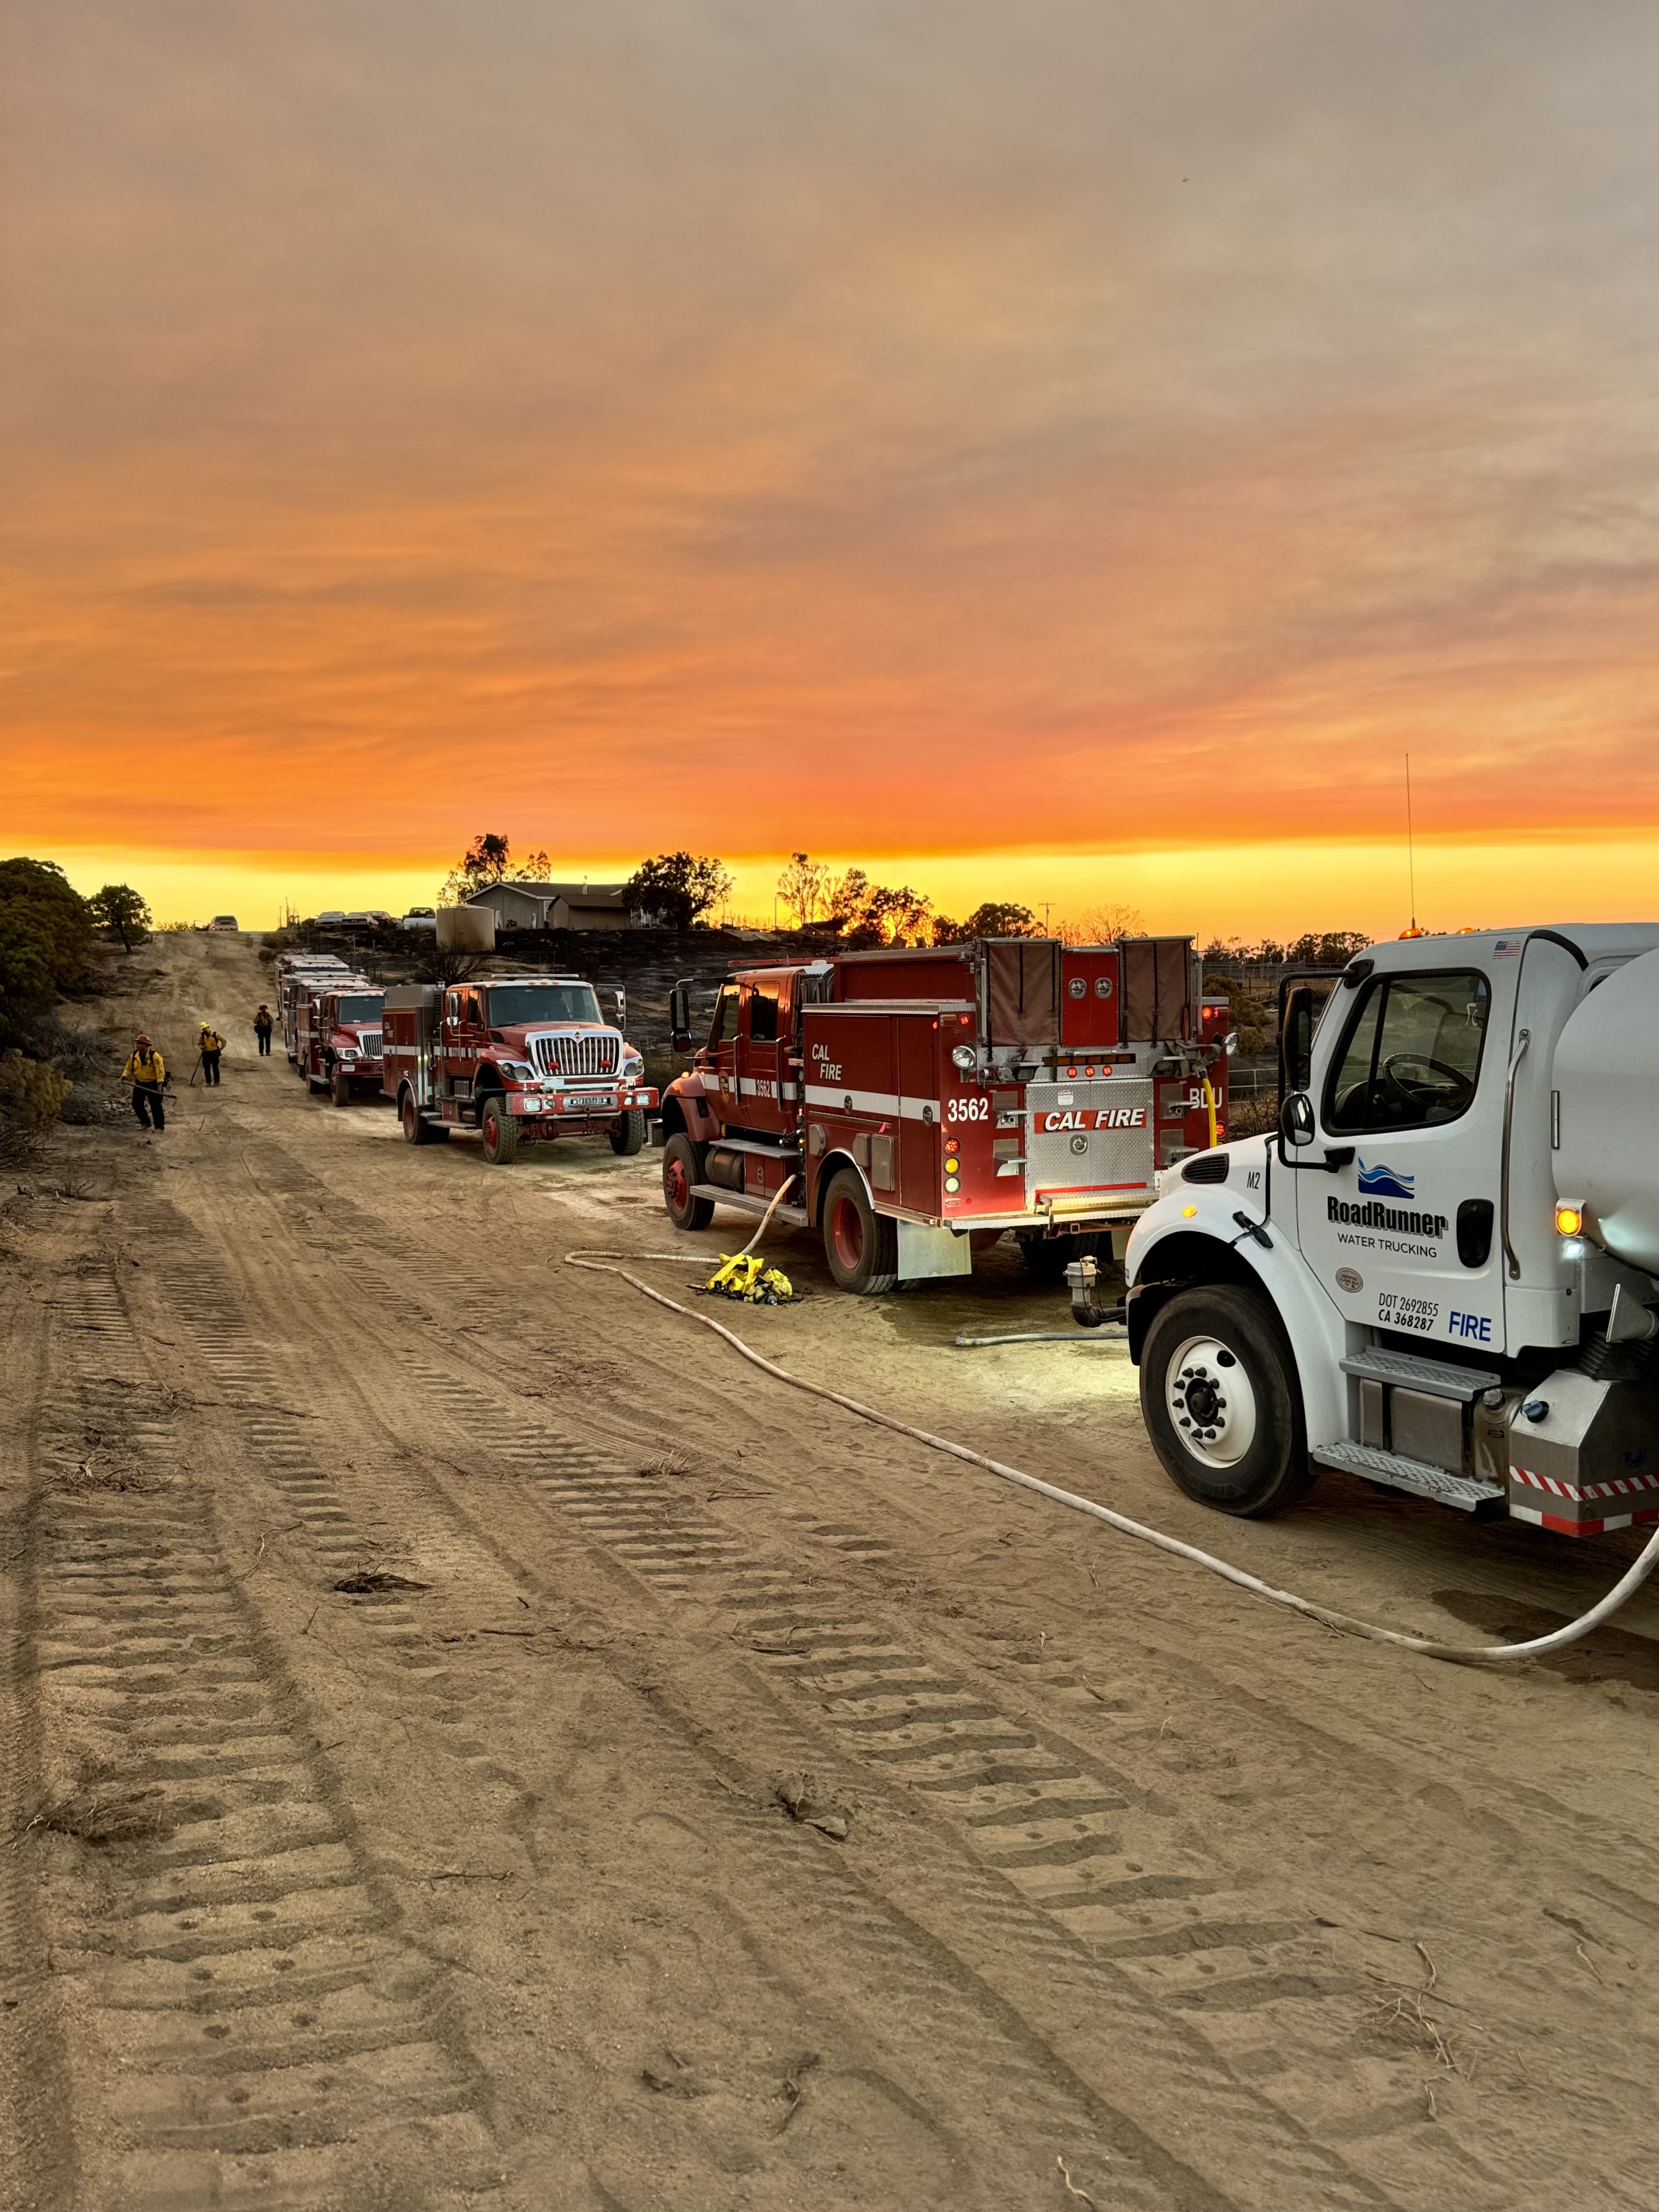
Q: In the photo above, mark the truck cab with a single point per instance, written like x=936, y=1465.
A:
x=339, y=1039
x=518, y=1058
x=1382, y=1285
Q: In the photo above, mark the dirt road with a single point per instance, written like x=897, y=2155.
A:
x=409, y=1645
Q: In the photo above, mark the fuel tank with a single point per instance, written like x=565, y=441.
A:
x=1606, y=1079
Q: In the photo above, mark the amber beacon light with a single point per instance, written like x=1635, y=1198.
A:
x=1569, y=1219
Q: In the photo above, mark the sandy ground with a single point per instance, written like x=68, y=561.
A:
x=410, y=1642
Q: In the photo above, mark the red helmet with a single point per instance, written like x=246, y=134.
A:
x=142, y=1037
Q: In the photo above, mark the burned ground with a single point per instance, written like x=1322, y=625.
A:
x=468, y=1739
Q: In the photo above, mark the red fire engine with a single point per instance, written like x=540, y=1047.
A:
x=294, y=974
x=336, y=1037
x=921, y=1102
x=516, y=1057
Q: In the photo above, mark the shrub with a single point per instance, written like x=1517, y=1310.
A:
x=32, y=1096
x=46, y=938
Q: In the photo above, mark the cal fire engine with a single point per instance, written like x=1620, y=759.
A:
x=292, y=974
x=518, y=1058
x=1442, y=1274
x=337, y=1038
x=919, y=1101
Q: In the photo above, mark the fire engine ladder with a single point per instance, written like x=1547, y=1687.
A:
x=1379, y=1372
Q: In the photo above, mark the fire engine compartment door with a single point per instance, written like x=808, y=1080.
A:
x=1090, y=1146
x=1157, y=983
x=1088, y=1021
x=1022, y=991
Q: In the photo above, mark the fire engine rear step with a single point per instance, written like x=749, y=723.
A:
x=748, y=1202
x=1481, y=1498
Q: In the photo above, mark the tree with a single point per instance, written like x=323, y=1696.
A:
x=121, y=914
x=846, y=898
x=46, y=936
x=804, y=890
x=675, y=888
x=484, y=862
x=890, y=917
x=1326, y=948
x=488, y=860
x=995, y=918
x=1105, y=925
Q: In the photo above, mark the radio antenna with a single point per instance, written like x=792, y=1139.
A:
x=1411, y=851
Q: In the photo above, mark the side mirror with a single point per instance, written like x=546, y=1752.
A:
x=1296, y=1119
x=679, y=1017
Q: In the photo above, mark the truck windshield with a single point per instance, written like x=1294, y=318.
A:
x=358, y=1006
x=515, y=1006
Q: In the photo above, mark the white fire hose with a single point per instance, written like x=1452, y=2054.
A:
x=1480, y=1655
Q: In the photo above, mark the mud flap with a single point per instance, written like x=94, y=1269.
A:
x=925, y=1253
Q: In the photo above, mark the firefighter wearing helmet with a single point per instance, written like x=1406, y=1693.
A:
x=147, y=1072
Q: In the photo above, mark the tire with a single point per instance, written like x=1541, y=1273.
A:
x=682, y=1166
x=627, y=1133
x=341, y=1087
x=415, y=1130
x=861, y=1244
x=500, y=1133
x=1047, y=1258
x=1239, y=1446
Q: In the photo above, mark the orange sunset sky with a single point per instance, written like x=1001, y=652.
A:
x=1068, y=451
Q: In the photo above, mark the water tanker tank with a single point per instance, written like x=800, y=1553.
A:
x=1607, y=1072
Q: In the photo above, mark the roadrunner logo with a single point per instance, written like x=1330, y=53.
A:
x=1383, y=1182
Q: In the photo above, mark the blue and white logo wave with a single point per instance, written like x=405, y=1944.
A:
x=1382, y=1182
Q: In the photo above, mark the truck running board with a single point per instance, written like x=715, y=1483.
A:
x=746, y=1202
x=1437, y=1376
x=1481, y=1498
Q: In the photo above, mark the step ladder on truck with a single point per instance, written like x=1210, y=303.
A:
x=1440, y=1273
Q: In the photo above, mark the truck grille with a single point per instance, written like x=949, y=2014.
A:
x=596, y=1053
x=369, y=1044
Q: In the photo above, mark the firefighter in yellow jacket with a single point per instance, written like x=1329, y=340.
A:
x=147, y=1072
x=212, y=1044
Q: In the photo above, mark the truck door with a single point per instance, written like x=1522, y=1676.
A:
x=762, y=1052
x=723, y=1048
x=1403, y=1234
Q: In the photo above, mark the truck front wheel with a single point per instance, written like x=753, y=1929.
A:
x=1219, y=1397
x=627, y=1133
x=682, y=1167
x=501, y=1133
x=861, y=1244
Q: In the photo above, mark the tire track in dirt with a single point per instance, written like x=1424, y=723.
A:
x=246, y=2025
x=787, y=1884
x=1044, y=1865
